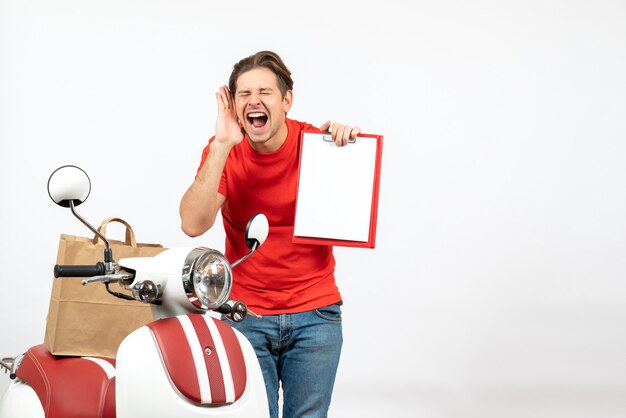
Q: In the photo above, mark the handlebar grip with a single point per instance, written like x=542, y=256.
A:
x=79, y=271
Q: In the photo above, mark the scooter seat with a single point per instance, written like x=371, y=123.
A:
x=70, y=387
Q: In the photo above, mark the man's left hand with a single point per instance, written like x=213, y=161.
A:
x=341, y=134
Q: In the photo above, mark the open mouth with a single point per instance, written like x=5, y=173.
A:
x=257, y=119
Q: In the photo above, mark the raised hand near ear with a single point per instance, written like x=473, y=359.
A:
x=341, y=134
x=227, y=129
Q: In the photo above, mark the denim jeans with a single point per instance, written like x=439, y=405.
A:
x=301, y=351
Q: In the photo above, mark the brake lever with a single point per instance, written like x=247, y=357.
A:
x=107, y=278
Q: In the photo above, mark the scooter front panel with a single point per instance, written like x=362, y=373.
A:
x=202, y=357
x=145, y=387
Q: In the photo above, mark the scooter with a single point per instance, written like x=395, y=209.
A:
x=185, y=364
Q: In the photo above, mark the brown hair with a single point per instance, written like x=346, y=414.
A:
x=262, y=59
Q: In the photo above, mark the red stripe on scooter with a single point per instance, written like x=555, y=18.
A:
x=235, y=357
x=177, y=356
x=211, y=359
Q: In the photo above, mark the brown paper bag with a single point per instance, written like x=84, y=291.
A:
x=87, y=320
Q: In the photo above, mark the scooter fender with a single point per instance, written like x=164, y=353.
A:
x=149, y=374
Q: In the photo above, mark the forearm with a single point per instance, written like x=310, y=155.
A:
x=200, y=203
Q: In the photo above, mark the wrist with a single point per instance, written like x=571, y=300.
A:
x=224, y=144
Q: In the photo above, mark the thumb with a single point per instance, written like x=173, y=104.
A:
x=325, y=126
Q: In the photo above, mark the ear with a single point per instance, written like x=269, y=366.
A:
x=287, y=101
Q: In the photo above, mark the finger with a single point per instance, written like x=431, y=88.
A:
x=355, y=131
x=338, y=134
x=347, y=134
x=226, y=99
x=325, y=126
x=222, y=99
x=229, y=97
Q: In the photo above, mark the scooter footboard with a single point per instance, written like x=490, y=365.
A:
x=189, y=366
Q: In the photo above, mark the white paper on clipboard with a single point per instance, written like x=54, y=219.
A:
x=335, y=190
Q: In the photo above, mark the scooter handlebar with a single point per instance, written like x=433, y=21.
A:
x=79, y=271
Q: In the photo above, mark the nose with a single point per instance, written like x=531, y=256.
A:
x=254, y=98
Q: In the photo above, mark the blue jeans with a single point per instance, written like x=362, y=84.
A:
x=301, y=351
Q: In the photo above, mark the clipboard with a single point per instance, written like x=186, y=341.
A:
x=337, y=198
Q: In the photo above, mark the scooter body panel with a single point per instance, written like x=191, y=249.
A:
x=144, y=388
x=20, y=401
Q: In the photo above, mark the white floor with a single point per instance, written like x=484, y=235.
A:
x=499, y=402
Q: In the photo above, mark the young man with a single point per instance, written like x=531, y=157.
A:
x=251, y=166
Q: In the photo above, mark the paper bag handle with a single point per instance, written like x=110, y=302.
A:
x=130, y=234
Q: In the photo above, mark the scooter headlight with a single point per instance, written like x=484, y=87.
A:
x=207, y=278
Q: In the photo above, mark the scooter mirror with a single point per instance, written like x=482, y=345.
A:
x=256, y=231
x=69, y=184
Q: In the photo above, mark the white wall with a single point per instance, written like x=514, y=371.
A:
x=497, y=286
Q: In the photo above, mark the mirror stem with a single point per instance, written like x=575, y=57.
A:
x=107, y=251
x=254, y=247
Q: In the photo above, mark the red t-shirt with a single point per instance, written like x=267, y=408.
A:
x=281, y=277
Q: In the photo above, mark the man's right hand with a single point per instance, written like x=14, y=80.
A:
x=227, y=129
